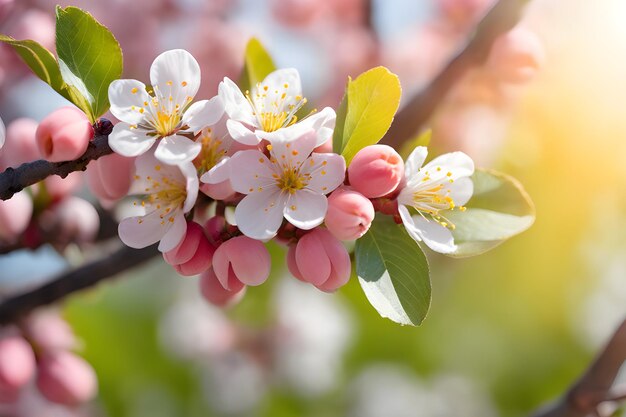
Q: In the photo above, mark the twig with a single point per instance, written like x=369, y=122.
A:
x=80, y=278
x=14, y=180
x=593, y=387
x=502, y=17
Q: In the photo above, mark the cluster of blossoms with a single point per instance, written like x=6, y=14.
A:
x=40, y=348
x=262, y=153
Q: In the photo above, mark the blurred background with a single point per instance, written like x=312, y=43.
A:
x=508, y=330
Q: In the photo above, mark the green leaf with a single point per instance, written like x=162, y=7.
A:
x=499, y=209
x=39, y=60
x=372, y=100
x=339, y=124
x=90, y=58
x=393, y=272
x=258, y=64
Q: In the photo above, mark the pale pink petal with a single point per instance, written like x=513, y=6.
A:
x=259, y=215
x=235, y=103
x=203, y=113
x=415, y=161
x=239, y=132
x=175, y=233
x=285, y=76
x=250, y=172
x=139, y=232
x=306, y=209
x=219, y=173
x=176, y=149
x=327, y=171
x=129, y=142
x=176, y=73
x=293, y=152
x=323, y=123
x=192, y=185
x=2, y=133
x=126, y=98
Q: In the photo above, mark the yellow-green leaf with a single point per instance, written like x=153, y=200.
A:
x=90, y=58
x=258, y=64
x=499, y=209
x=372, y=101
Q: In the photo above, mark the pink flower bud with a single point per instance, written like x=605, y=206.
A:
x=349, y=214
x=110, y=176
x=15, y=215
x=376, y=171
x=20, y=143
x=516, y=56
x=17, y=363
x=320, y=259
x=64, y=134
x=194, y=253
x=243, y=258
x=67, y=379
x=214, y=292
x=71, y=220
x=48, y=331
x=214, y=228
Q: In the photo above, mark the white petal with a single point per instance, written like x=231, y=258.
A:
x=408, y=222
x=218, y=174
x=461, y=190
x=235, y=103
x=203, y=113
x=239, y=132
x=458, y=163
x=139, y=232
x=294, y=152
x=192, y=185
x=415, y=161
x=434, y=235
x=328, y=172
x=177, y=149
x=126, y=98
x=175, y=233
x=323, y=123
x=281, y=77
x=259, y=215
x=176, y=73
x=2, y=133
x=148, y=168
x=250, y=170
x=129, y=142
x=306, y=209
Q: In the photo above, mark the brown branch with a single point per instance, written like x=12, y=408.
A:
x=80, y=278
x=14, y=180
x=502, y=17
x=594, y=385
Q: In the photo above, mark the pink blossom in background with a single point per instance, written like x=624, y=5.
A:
x=65, y=378
x=15, y=215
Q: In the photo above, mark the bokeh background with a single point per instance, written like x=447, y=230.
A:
x=508, y=330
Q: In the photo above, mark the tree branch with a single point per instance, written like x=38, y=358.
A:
x=593, y=387
x=502, y=17
x=14, y=180
x=80, y=278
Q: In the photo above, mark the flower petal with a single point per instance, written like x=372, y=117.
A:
x=415, y=161
x=306, y=209
x=277, y=80
x=239, y=132
x=127, y=97
x=293, y=152
x=250, y=172
x=174, y=234
x=177, y=149
x=139, y=232
x=323, y=123
x=458, y=163
x=461, y=190
x=192, y=185
x=203, y=113
x=176, y=73
x=219, y=173
x=2, y=133
x=434, y=235
x=235, y=103
x=327, y=171
x=129, y=142
x=259, y=215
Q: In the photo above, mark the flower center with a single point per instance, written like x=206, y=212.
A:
x=291, y=180
x=212, y=152
x=431, y=197
x=274, y=109
x=165, y=122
